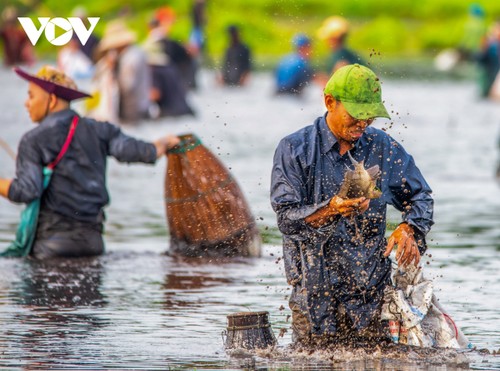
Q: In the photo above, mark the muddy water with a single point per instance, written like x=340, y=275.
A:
x=138, y=308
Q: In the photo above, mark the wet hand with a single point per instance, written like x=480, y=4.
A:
x=349, y=206
x=172, y=141
x=165, y=143
x=407, y=250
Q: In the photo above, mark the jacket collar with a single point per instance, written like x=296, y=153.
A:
x=58, y=116
x=328, y=140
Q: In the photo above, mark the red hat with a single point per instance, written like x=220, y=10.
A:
x=54, y=82
x=165, y=15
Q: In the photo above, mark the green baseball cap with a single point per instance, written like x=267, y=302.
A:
x=359, y=90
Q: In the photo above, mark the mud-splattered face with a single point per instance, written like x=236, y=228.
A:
x=341, y=123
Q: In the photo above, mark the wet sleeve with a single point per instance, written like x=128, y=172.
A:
x=287, y=197
x=409, y=192
x=28, y=183
x=288, y=187
x=128, y=149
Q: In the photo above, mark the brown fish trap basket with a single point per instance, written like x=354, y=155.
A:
x=249, y=330
x=206, y=211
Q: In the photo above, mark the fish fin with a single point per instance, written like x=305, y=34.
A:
x=374, y=172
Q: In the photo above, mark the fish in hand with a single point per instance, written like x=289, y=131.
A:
x=360, y=182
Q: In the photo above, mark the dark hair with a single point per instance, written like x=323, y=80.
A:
x=232, y=29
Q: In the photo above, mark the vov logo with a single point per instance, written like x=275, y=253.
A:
x=68, y=25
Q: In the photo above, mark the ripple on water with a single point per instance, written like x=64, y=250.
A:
x=137, y=308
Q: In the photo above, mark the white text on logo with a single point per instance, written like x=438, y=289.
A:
x=49, y=25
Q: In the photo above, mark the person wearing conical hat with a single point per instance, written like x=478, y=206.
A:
x=335, y=252
x=334, y=31
x=132, y=74
x=70, y=220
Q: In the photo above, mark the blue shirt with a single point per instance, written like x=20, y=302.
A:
x=332, y=262
x=78, y=186
x=292, y=74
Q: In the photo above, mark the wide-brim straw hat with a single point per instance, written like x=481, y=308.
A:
x=54, y=82
x=334, y=26
x=116, y=35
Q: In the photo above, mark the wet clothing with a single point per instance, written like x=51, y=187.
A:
x=77, y=194
x=292, y=74
x=173, y=100
x=182, y=60
x=489, y=62
x=332, y=265
x=134, y=84
x=344, y=54
x=236, y=64
x=60, y=236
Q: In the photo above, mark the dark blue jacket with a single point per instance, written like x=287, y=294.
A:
x=331, y=262
x=78, y=186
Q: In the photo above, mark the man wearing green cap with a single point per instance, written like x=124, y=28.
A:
x=338, y=278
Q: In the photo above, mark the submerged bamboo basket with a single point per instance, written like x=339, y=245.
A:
x=249, y=330
x=206, y=211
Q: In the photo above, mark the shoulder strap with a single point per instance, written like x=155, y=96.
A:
x=66, y=144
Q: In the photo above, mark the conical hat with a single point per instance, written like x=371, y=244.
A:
x=116, y=35
x=55, y=82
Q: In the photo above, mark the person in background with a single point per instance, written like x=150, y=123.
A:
x=237, y=60
x=334, y=248
x=179, y=56
x=17, y=48
x=129, y=65
x=104, y=103
x=70, y=221
x=474, y=34
x=90, y=47
x=168, y=92
x=294, y=71
x=197, y=38
x=334, y=31
x=73, y=61
x=498, y=161
x=489, y=61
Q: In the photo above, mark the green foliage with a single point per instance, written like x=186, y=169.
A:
x=439, y=35
x=395, y=29
x=385, y=35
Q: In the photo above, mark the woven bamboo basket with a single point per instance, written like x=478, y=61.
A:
x=249, y=330
x=207, y=213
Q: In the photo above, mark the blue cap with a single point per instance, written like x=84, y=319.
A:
x=476, y=10
x=300, y=40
